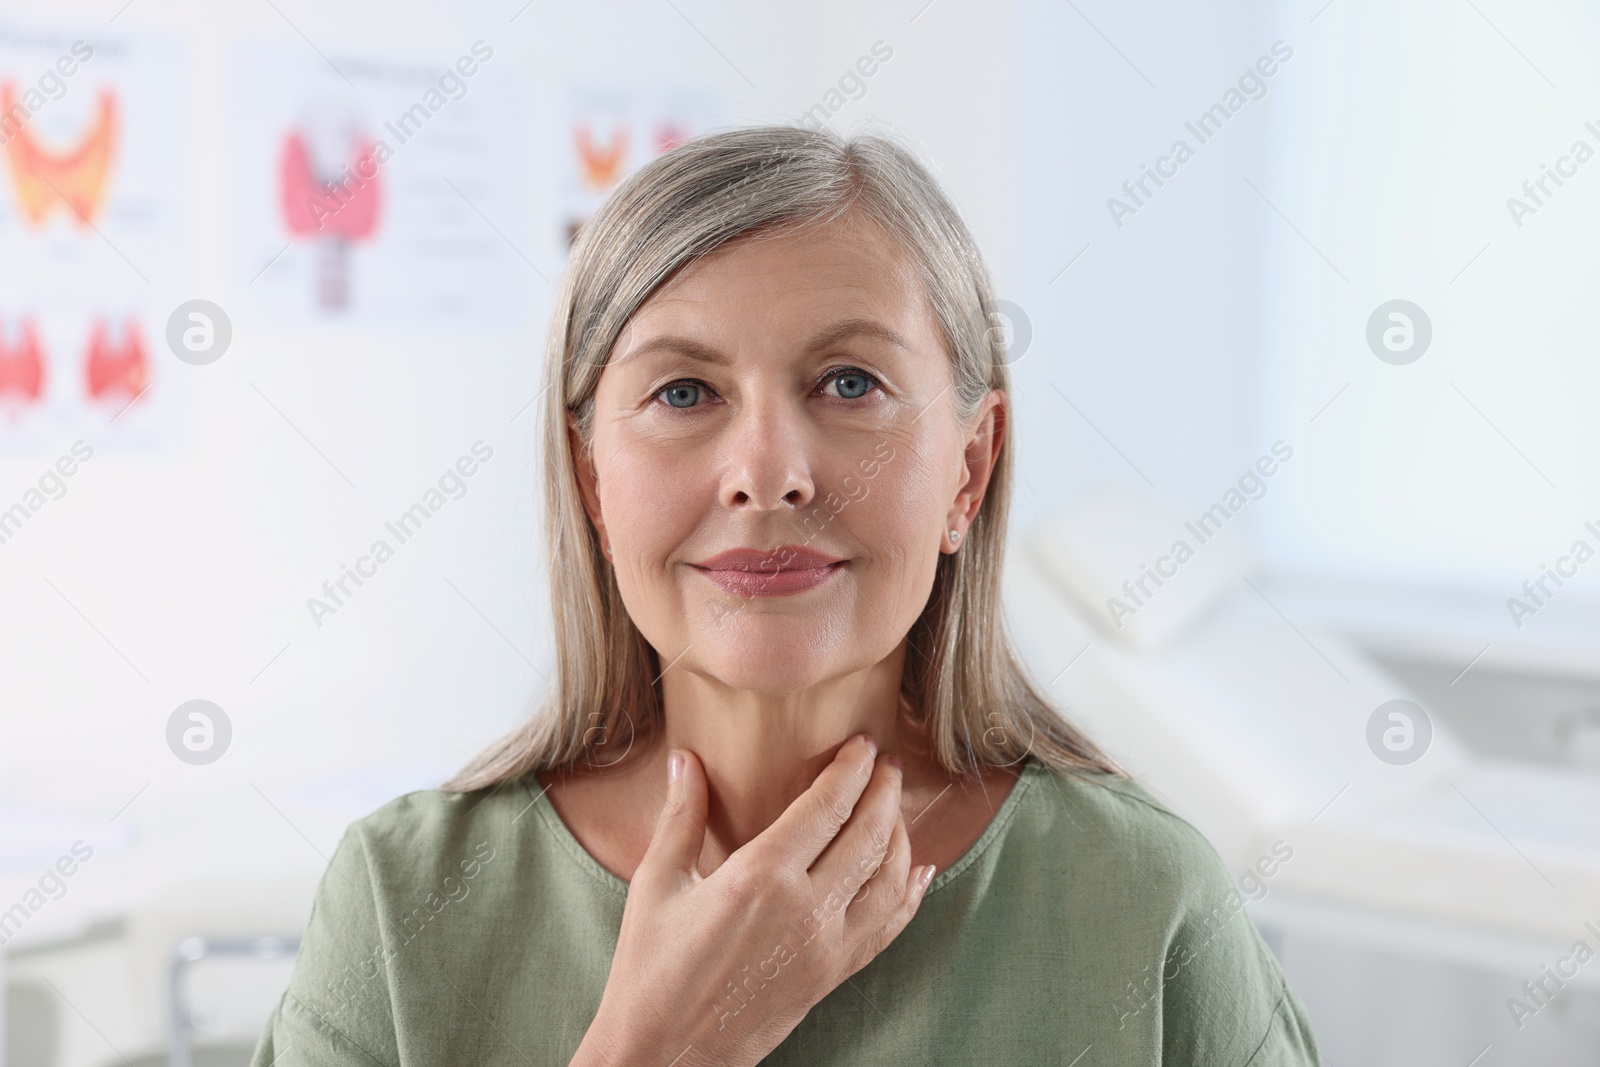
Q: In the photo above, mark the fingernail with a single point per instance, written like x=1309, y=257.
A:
x=894, y=759
x=872, y=746
x=927, y=876
x=674, y=766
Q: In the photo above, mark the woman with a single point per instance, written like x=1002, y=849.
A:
x=792, y=799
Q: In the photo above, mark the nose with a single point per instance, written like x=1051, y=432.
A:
x=768, y=464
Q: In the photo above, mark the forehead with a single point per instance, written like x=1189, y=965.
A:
x=845, y=266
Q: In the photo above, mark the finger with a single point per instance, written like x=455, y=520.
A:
x=859, y=848
x=913, y=890
x=918, y=879
x=871, y=939
x=882, y=893
x=814, y=818
x=679, y=836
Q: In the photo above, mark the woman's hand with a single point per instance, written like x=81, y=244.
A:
x=719, y=969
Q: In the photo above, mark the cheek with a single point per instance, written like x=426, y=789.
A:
x=894, y=506
x=896, y=512
x=650, y=499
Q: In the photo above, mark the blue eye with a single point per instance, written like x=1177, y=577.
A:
x=852, y=384
x=681, y=394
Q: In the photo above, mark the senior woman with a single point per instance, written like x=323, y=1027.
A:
x=792, y=799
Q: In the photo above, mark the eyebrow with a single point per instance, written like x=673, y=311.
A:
x=858, y=327
x=682, y=346
x=827, y=337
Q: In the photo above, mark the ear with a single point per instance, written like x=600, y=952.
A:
x=981, y=450
x=588, y=479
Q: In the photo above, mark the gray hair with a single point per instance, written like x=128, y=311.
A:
x=962, y=678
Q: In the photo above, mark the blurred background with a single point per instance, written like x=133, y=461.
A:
x=1306, y=289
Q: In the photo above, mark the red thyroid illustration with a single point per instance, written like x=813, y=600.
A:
x=115, y=369
x=335, y=214
x=670, y=135
x=21, y=363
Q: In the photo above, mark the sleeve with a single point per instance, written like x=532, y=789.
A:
x=1289, y=1041
x=1224, y=998
x=337, y=1011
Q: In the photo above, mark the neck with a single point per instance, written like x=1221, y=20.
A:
x=762, y=750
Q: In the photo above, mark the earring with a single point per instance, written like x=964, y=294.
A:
x=955, y=535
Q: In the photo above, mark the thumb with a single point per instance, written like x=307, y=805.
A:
x=680, y=827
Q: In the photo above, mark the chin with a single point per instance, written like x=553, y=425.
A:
x=776, y=655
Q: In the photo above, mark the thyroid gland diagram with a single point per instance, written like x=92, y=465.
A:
x=670, y=135
x=114, y=362
x=75, y=177
x=21, y=363
x=115, y=366
x=335, y=212
x=600, y=166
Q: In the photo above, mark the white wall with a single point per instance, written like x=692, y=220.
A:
x=1151, y=334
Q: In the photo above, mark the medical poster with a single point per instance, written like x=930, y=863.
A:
x=93, y=188
x=380, y=193
x=611, y=131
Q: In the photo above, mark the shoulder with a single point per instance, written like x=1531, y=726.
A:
x=1118, y=850
x=400, y=866
x=1164, y=920
x=434, y=830
x=1119, y=828
x=390, y=899
x=416, y=841
x=435, y=812
x=396, y=877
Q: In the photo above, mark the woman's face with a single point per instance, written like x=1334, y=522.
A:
x=776, y=460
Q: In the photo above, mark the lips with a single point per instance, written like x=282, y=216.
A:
x=781, y=571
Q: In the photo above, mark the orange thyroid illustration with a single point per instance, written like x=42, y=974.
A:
x=76, y=177
x=600, y=166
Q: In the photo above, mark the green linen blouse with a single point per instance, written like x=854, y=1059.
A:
x=1088, y=926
